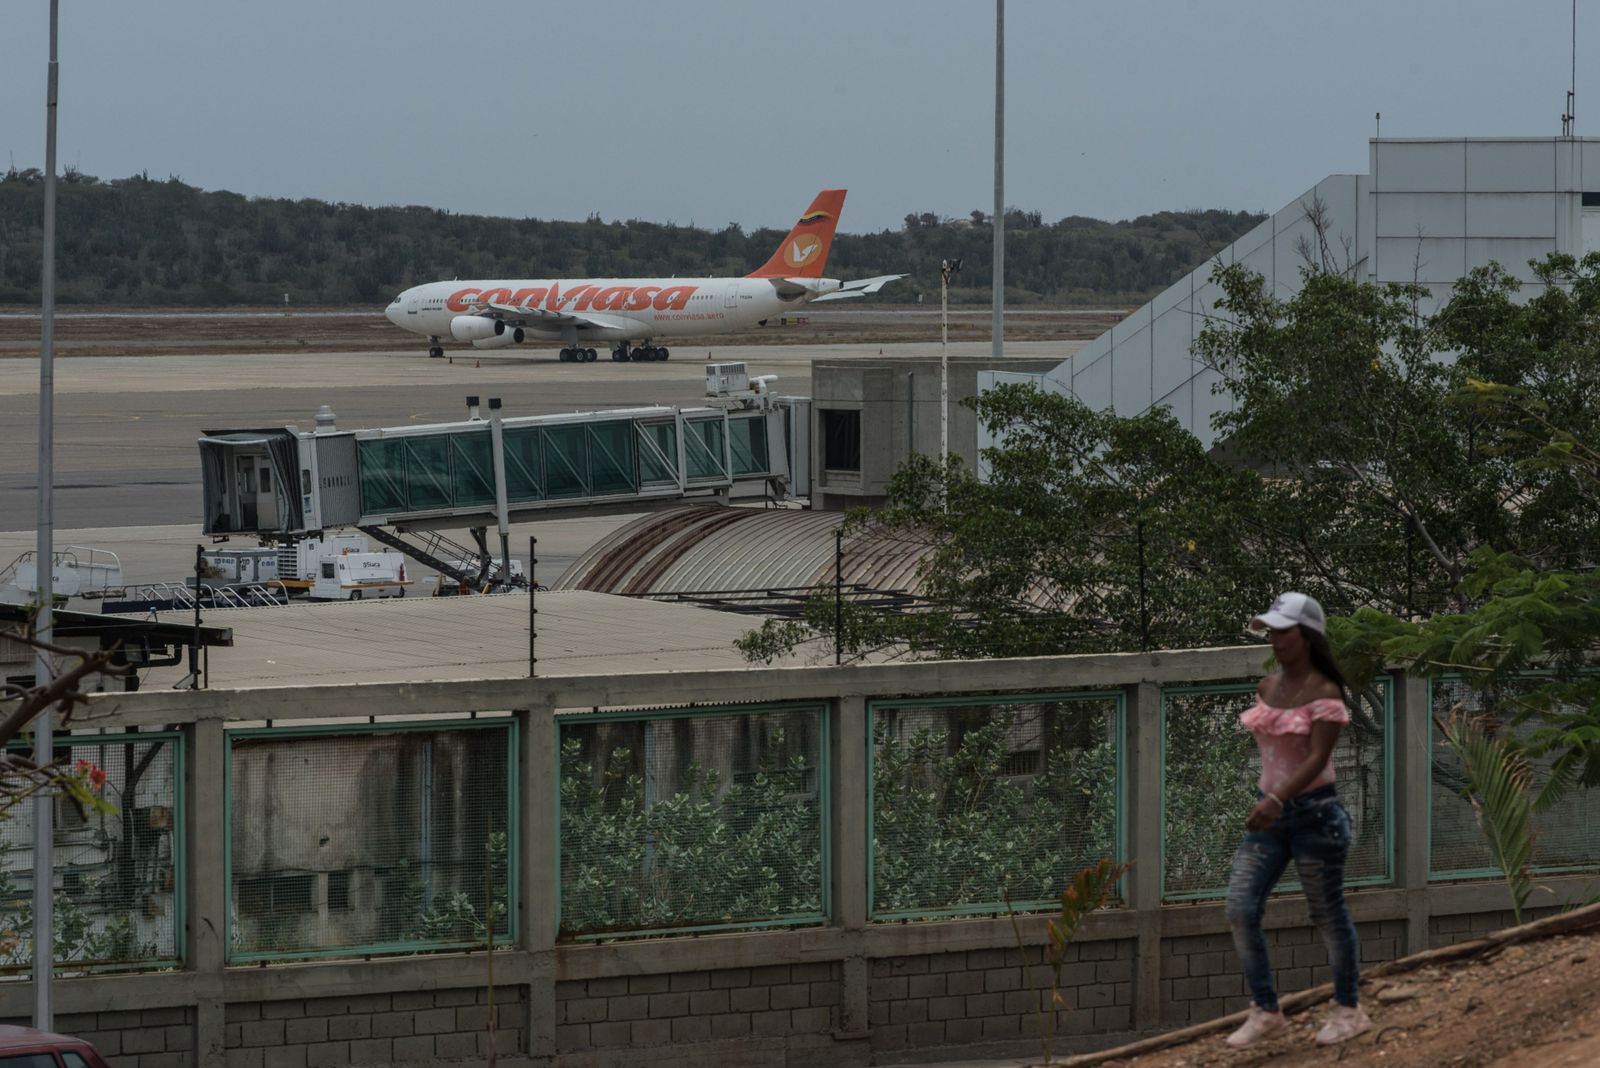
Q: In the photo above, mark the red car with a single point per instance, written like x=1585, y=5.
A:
x=23, y=1047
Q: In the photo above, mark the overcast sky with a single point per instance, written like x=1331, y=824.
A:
x=718, y=111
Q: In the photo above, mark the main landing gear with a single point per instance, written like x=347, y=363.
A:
x=579, y=355
x=642, y=354
x=435, y=350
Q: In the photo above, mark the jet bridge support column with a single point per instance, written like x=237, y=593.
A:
x=497, y=451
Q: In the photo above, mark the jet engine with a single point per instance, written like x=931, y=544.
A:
x=512, y=336
x=473, y=327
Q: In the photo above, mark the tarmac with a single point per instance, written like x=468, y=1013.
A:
x=125, y=426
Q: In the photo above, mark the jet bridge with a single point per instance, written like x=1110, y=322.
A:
x=285, y=483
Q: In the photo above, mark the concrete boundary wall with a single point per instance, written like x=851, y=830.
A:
x=845, y=992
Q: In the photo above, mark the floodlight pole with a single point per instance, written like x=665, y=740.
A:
x=44, y=801
x=944, y=362
x=997, y=343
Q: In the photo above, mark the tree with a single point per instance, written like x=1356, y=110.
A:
x=1528, y=637
x=21, y=777
x=1350, y=467
x=1091, y=533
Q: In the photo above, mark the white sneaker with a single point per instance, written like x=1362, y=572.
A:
x=1259, y=1026
x=1344, y=1022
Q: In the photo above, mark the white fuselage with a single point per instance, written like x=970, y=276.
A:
x=603, y=309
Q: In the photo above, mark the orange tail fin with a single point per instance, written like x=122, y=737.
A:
x=804, y=252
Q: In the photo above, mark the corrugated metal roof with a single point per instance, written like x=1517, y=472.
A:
x=719, y=549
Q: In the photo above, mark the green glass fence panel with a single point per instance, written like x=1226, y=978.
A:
x=611, y=463
x=1210, y=767
x=747, y=439
x=983, y=801
x=524, y=453
x=1567, y=833
x=382, y=463
x=354, y=841
x=471, y=469
x=658, y=453
x=692, y=821
x=427, y=472
x=566, y=461
x=119, y=872
x=702, y=448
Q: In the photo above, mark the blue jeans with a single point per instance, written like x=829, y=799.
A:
x=1314, y=829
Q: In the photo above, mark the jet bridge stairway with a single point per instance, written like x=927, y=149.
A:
x=473, y=569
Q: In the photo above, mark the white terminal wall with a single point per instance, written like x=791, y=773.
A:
x=1428, y=210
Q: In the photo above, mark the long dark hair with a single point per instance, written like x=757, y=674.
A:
x=1322, y=659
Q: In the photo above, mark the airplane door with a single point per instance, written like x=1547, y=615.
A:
x=412, y=303
x=266, y=500
x=730, y=299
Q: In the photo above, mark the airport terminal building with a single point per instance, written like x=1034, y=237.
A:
x=1428, y=210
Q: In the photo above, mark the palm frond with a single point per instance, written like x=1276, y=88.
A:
x=1498, y=787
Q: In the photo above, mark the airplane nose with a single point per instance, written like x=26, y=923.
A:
x=392, y=313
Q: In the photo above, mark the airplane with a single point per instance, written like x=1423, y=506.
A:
x=632, y=314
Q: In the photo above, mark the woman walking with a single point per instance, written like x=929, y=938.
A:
x=1296, y=722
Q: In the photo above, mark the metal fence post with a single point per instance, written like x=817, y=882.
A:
x=1412, y=773
x=538, y=859
x=1142, y=833
x=533, y=604
x=205, y=933
x=852, y=840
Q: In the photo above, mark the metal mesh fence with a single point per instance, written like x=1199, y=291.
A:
x=977, y=802
x=382, y=839
x=118, y=873
x=1567, y=834
x=693, y=820
x=1210, y=767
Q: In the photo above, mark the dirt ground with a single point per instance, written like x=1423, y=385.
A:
x=1530, y=1005
x=178, y=331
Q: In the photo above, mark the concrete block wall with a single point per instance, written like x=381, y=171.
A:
x=962, y=1004
x=133, y=1038
x=1201, y=978
x=1450, y=930
x=723, y=1008
x=411, y=1027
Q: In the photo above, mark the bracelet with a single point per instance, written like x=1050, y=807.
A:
x=1279, y=800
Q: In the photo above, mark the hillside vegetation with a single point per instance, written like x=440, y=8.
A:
x=140, y=240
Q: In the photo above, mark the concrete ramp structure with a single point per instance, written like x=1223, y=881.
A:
x=1428, y=210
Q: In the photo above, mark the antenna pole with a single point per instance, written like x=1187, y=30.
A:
x=1569, y=118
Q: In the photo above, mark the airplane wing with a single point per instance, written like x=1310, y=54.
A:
x=859, y=288
x=525, y=315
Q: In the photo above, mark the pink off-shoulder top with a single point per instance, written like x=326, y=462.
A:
x=1284, y=737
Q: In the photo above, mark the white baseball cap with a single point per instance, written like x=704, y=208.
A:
x=1289, y=610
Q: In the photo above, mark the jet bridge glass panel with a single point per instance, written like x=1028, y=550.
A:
x=704, y=454
x=472, y=469
x=748, y=441
x=524, y=448
x=428, y=472
x=658, y=453
x=566, y=461
x=382, y=466
x=611, y=459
